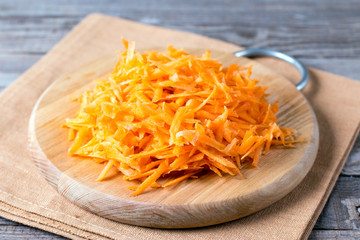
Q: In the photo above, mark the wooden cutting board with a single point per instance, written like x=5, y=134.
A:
x=191, y=203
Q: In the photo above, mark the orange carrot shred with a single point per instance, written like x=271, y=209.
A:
x=179, y=179
x=169, y=112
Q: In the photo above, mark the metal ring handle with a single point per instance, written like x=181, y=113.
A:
x=257, y=52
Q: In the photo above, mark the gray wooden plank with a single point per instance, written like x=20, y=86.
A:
x=7, y=78
x=17, y=63
x=6, y=222
x=352, y=165
x=334, y=235
x=285, y=28
x=72, y=8
x=330, y=41
x=343, y=207
x=32, y=35
x=22, y=232
x=338, y=42
x=13, y=65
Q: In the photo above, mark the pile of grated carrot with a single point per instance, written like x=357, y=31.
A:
x=171, y=115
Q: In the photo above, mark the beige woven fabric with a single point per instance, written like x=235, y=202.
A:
x=27, y=198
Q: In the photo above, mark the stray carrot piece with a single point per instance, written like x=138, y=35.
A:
x=140, y=175
x=133, y=187
x=105, y=170
x=164, y=113
x=71, y=135
x=155, y=185
x=179, y=179
x=151, y=179
x=79, y=139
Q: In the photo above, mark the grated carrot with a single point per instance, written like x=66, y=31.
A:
x=161, y=114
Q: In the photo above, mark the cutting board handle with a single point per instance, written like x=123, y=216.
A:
x=258, y=52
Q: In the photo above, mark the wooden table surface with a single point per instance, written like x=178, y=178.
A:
x=324, y=34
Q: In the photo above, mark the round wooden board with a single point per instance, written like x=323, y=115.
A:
x=191, y=203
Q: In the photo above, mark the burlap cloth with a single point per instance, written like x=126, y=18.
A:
x=26, y=197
